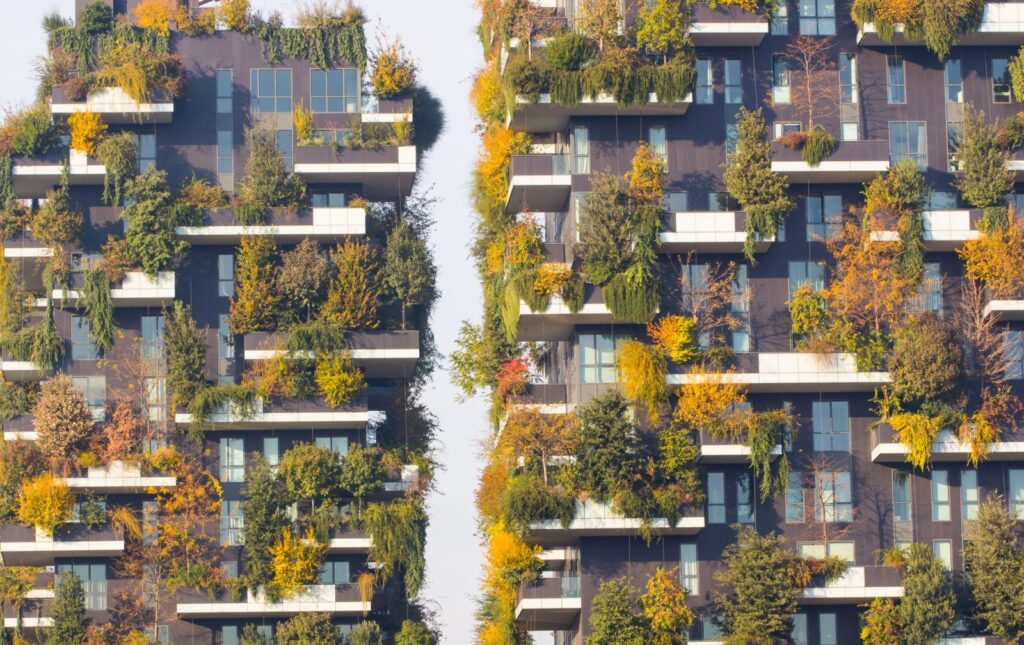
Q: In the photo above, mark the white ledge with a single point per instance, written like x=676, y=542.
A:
x=795, y=371
x=136, y=290
x=730, y=453
x=953, y=450
x=314, y=598
x=114, y=105
x=328, y=223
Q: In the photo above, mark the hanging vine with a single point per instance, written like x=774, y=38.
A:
x=98, y=307
x=322, y=46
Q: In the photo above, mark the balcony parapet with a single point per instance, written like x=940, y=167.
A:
x=380, y=354
x=319, y=223
x=852, y=162
x=1005, y=309
x=545, y=115
x=538, y=183
x=381, y=173
x=136, y=290
x=114, y=106
x=726, y=26
x=26, y=546
x=793, y=372
x=312, y=413
x=337, y=600
x=33, y=176
x=856, y=586
x=119, y=476
x=549, y=603
x=595, y=519
x=947, y=447
x=707, y=232
x=557, y=321
x=1002, y=23
x=944, y=230
x=715, y=450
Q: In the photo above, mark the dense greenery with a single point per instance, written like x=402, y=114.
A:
x=267, y=183
x=69, y=619
x=983, y=177
x=927, y=609
x=938, y=23
x=265, y=517
x=186, y=355
x=994, y=562
x=398, y=530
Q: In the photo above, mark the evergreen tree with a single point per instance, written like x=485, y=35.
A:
x=994, y=561
x=256, y=305
x=614, y=616
x=354, y=295
x=605, y=225
x=186, y=355
x=307, y=629
x=69, y=621
x=264, y=512
x=983, y=177
x=409, y=270
x=365, y=633
x=608, y=447
x=928, y=607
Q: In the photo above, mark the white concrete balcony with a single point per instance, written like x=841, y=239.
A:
x=1002, y=23
x=286, y=414
x=707, y=232
x=324, y=224
x=1005, y=309
x=947, y=447
x=136, y=290
x=380, y=174
x=544, y=115
x=716, y=450
x=944, y=230
x=380, y=354
x=34, y=176
x=539, y=183
x=856, y=586
x=553, y=602
x=594, y=519
x=556, y=322
x=26, y=546
x=851, y=162
x=114, y=106
x=118, y=477
x=793, y=372
x=726, y=26
x=337, y=600
x=22, y=371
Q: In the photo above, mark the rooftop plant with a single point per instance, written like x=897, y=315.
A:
x=140, y=72
x=96, y=18
x=326, y=39
x=983, y=177
x=255, y=305
x=939, y=23
x=661, y=28
x=30, y=132
x=267, y=184
x=354, y=295
x=307, y=628
x=87, y=130
x=394, y=70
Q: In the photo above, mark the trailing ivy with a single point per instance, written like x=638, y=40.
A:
x=89, y=47
x=817, y=145
x=186, y=355
x=343, y=42
x=939, y=24
x=765, y=431
x=236, y=399
x=98, y=308
x=398, y=531
x=117, y=153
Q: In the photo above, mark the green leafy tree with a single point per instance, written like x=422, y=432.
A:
x=748, y=177
x=994, y=561
x=255, y=305
x=69, y=620
x=925, y=365
x=665, y=609
x=399, y=532
x=15, y=585
x=96, y=18
x=409, y=270
x=99, y=308
x=186, y=354
x=362, y=471
x=365, y=633
x=309, y=472
x=264, y=511
x=982, y=175
x=614, y=616
x=20, y=460
x=303, y=278
x=928, y=607
x=307, y=629
x=267, y=182
x=472, y=366
x=354, y=296
x=599, y=19
x=609, y=447
x=414, y=632
x=662, y=28
x=605, y=223
x=760, y=577
x=152, y=216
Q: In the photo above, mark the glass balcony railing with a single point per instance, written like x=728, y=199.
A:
x=570, y=586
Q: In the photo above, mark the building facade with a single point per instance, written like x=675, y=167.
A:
x=216, y=81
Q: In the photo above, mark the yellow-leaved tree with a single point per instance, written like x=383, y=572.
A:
x=45, y=502
x=664, y=607
x=156, y=15
x=355, y=293
x=296, y=561
x=87, y=130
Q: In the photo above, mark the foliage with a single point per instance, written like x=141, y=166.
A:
x=749, y=180
x=32, y=131
x=661, y=28
x=307, y=628
x=983, y=178
x=925, y=363
x=186, y=355
x=599, y=20
x=199, y=194
x=817, y=145
x=69, y=619
x=353, y=296
x=87, y=130
x=45, y=502
x=518, y=246
x=605, y=224
x=928, y=606
x=302, y=120
x=20, y=460
x=117, y=153
x=614, y=617
x=254, y=306
x=309, y=471
x=536, y=437
x=608, y=445
x=394, y=70
x=296, y=562
x=665, y=609
x=709, y=401
x=98, y=308
x=994, y=562
x=56, y=222
x=365, y=633
x=766, y=430
x=409, y=271
x=96, y=18
x=509, y=563
x=899, y=196
x=139, y=71
x=917, y=432
x=303, y=277
x=938, y=23
x=415, y=633
x=61, y=417
x=997, y=260
x=398, y=531
x=808, y=313
x=676, y=336
x=469, y=368
x=362, y=471
x=267, y=183
x=152, y=216
x=641, y=368
x=763, y=580
x=329, y=42
x=264, y=512
x=156, y=15
x=880, y=623
x=569, y=50
x=185, y=512
x=528, y=499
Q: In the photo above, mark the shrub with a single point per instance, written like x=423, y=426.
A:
x=983, y=177
x=661, y=27
x=917, y=432
x=676, y=336
x=267, y=183
x=818, y=145
x=518, y=246
x=309, y=471
x=925, y=365
x=235, y=14
x=152, y=215
x=199, y=194
x=398, y=531
x=793, y=140
x=997, y=260
x=527, y=499
x=415, y=633
x=20, y=460
x=570, y=50
x=186, y=355
x=87, y=130
x=642, y=370
x=199, y=23
x=45, y=502
x=614, y=618
x=525, y=78
x=56, y=223
x=139, y=71
x=117, y=153
x=32, y=131
x=609, y=447
x=354, y=295
x=61, y=417
x=553, y=278
x=156, y=15
x=302, y=120
x=338, y=379
x=303, y=278
x=96, y=18
x=394, y=70
x=255, y=305
x=362, y=471
x=306, y=628
x=365, y=633
x=710, y=401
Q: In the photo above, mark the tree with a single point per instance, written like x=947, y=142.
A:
x=925, y=363
x=307, y=628
x=267, y=182
x=642, y=370
x=61, y=418
x=338, y=379
x=415, y=633
x=664, y=608
x=152, y=215
x=816, y=95
x=185, y=513
x=354, y=295
x=123, y=430
x=880, y=623
x=97, y=18
x=927, y=609
x=362, y=471
x=409, y=270
x=763, y=582
x=982, y=175
x=186, y=355
x=662, y=28
x=20, y=460
x=296, y=562
x=608, y=447
x=69, y=620
x=156, y=15
x=599, y=19
x=309, y=472
x=399, y=532
x=303, y=278
x=748, y=177
x=605, y=224
x=994, y=562
x=707, y=295
x=614, y=618
x=264, y=511
x=538, y=437
x=996, y=259
x=366, y=633
x=15, y=585
x=255, y=305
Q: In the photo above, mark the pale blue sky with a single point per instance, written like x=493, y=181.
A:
x=442, y=35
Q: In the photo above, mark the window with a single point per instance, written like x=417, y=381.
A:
x=831, y=421
x=232, y=460
x=817, y=17
x=705, y=82
x=272, y=452
x=80, y=506
x=328, y=200
x=848, y=131
x=338, y=444
x=953, y=130
x=229, y=635
x=719, y=201
x=827, y=629
x=224, y=91
x=942, y=200
x=334, y=90
x=94, y=583
x=733, y=81
x=954, y=81
x=716, y=498
x=968, y=494
x=795, y=497
x=231, y=522
x=82, y=347
x=928, y=297
x=156, y=397
x=710, y=629
x=284, y=144
x=658, y=141
x=271, y=90
x=150, y=521
x=225, y=152
x=597, y=357
x=1013, y=347
x=780, y=79
x=833, y=499
x=741, y=310
x=809, y=273
x=799, y=629
x=901, y=507
x=847, y=77
x=581, y=150
x=841, y=550
x=824, y=215
x=225, y=351
x=145, y=151
x=1016, y=492
x=1000, y=79
x=940, y=496
x=226, y=275
x=152, y=337
x=943, y=550
x=732, y=138
x=335, y=573
x=688, y=576
x=779, y=25
x=225, y=131
x=676, y=202
x=908, y=140
x=745, y=498
x=896, y=77
x=94, y=389
x=785, y=127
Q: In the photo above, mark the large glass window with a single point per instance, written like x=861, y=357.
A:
x=896, y=78
x=799, y=633
x=847, y=77
x=151, y=332
x=232, y=459
x=94, y=389
x=1013, y=347
x=338, y=444
x=954, y=130
x=224, y=91
x=597, y=357
x=795, y=497
x=943, y=551
x=741, y=310
x=824, y=215
x=94, y=583
x=226, y=275
x=688, y=576
x=716, y=498
x=156, y=397
x=225, y=351
x=581, y=150
x=335, y=573
x=1000, y=79
x=328, y=199
x=954, y=80
x=271, y=90
x=733, y=81
x=779, y=25
x=901, y=506
x=817, y=17
x=658, y=141
x=82, y=346
x=928, y=297
x=834, y=499
x=145, y=151
x=968, y=494
x=940, y=496
x=908, y=140
x=225, y=152
x=831, y=422
x=705, y=92
x=827, y=629
x=745, y=498
x=150, y=521
x=809, y=273
x=231, y=522
x=334, y=90
x=272, y=452
x=780, y=78
x=1016, y=492
x=284, y=144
